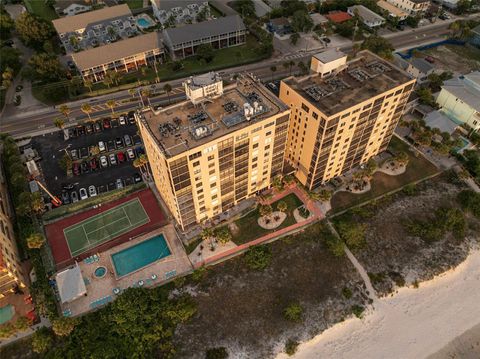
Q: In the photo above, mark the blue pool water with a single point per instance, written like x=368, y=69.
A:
x=140, y=255
x=100, y=272
x=6, y=313
x=143, y=22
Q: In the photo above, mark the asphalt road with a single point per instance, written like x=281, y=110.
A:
x=26, y=125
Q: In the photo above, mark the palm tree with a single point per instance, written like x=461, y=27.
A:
x=145, y=92
x=89, y=84
x=86, y=108
x=137, y=163
x=273, y=69
x=167, y=88
x=59, y=122
x=35, y=241
x=132, y=92
x=282, y=206
x=108, y=79
x=144, y=163
x=37, y=203
x=223, y=235
x=111, y=105
x=64, y=110
x=265, y=210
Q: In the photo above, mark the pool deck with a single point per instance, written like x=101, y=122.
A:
x=98, y=288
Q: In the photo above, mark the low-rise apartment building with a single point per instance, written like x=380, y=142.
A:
x=71, y=7
x=96, y=28
x=340, y=121
x=412, y=7
x=11, y=272
x=216, y=149
x=459, y=99
x=392, y=10
x=172, y=12
x=368, y=17
x=221, y=33
x=123, y=56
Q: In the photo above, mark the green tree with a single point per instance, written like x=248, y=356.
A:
x=301, y=21
x=42, y=340
x=87, y=109
x=303, y=68
x=108, y=79
x=38, y=206
x=293, y=312
x=425, y=96
x=32, y=30
x=245, y=8
x=282, y=206
x=88, y=83
x=470, y=201
x=265, y=210
x=24, y=206
x=378, y=45
x=10, y=59
x=205, y=52
x=291, y=347
x=258, y=257
x=6, y=25
x=35, y=241
x=294, y=38
x=22, y=324
x=202, y=14
x=63, y=326
x=223, y=235
x=111, y=105
x=44, y=67
x=59, y=122
x=273, y=69
x=64, y=110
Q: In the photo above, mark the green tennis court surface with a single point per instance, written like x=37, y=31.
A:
x=104, y=226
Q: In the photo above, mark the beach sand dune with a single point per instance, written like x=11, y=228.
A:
x=413, y=323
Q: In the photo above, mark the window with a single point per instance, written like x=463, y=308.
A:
x=195, y=155
x=210, y=158
x=315, y=115
x=268, y=133
x=196, y=163
x=255, y=145
x=305, y=108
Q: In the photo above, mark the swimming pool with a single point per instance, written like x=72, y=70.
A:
x=143, y=23
x=6, y=313
x=140, y=255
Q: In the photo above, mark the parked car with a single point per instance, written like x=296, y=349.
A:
x=101, y=146
x=65, y=198
x=121, y=157
x=131, y=115
x=80, y=130
x=74, y=154
x=119, y=183
x=85, y=167
x=110, y=145
x=140, y=151
x=83, y=193
x=103, y=161
x=137, y=140
x=74, y=196
x=89, y=127
x=76, y=168
x=119, y=142
x=113, y=160
x=430, y=59
x=131, y=120
x=97, y=127
x=18, y=88
x=128, y=140
x=94, y=164
x=114, y=122
x=122, y=120
x=137, y=178
x=84, y=152
x=72, y=133
x=106, y=123
x=130, y=154
x=92, y=191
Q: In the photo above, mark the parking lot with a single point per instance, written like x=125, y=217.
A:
x=102, y=154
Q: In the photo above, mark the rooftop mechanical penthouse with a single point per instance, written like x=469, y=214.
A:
x=342, y=115
x=222, y=145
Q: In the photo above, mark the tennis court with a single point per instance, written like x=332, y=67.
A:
x=104, y=226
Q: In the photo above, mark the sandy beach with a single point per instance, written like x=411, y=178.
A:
x=438, y=319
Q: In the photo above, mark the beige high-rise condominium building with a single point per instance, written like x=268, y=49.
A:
x=222, y=145
x=340, y=120
x=11, y=274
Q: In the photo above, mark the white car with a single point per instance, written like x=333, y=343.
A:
x=83, y=193
x=101, y=146
x=92, y=191
x=130, y=154
x=113, y=160
x=122, y=120
x=103, y=161
x=119, y=183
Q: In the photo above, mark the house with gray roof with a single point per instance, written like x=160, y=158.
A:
x=417, y=67
x=475, y=38
x=367, y=16
x=459, y=99
x=221, y=33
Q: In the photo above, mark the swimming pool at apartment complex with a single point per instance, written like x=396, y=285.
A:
x=140, y=255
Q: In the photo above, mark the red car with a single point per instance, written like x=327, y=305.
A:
x=76, y=168
x=106, y=123
x=121, y=157
x=430, y=59
x=93, y=164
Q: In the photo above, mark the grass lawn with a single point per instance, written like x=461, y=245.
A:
x=134, y=4
x=248, y=226
x=40, y=9
x=418, y=168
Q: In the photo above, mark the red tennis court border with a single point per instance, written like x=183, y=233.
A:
x=58, y=243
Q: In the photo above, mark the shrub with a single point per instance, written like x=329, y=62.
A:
x=265, y=210
x=335, y=245
x=6, y=330
x=358, y=310
x=22, y=324
x=291, y=346
x=470, y=201
x=199, y=274
x=352, y=233
x=282, y=206
x=216, y=353
x=63, y=326
x=223, y=235
x=410, y=189
x=347, y=292
x=35, y=241
x=42, y=340
x=293, y=312
x=258, y=257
